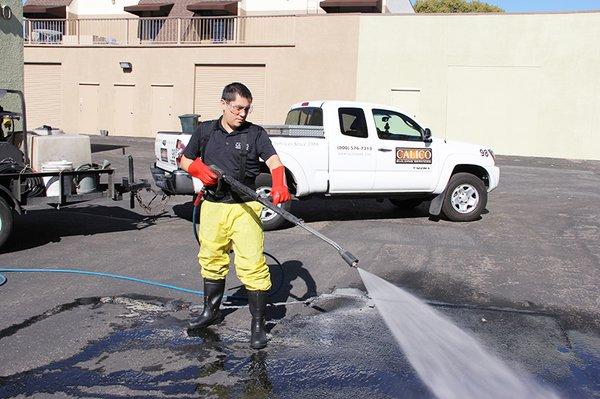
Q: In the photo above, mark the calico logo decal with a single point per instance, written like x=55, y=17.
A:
x=414, y=155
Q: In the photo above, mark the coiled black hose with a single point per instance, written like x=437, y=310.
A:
x=31, y=186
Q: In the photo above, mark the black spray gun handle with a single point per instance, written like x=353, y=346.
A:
x=350, y=259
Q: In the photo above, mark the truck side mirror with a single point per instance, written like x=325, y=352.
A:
x=427, y=135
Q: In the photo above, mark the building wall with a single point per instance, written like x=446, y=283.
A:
x=91, y=76
x=525, y=84
x=11, y=50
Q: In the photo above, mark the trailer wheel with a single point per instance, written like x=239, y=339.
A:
x=466, y=198
x=6, y=221
x=270, y=219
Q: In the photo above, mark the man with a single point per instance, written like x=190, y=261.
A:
x=229, y=220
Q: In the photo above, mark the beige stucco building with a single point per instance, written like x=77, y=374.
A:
x=526, y=84
x=11, y=51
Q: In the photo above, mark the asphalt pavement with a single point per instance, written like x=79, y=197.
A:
x=523, y=280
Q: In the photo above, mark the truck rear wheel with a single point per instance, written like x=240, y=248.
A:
x=6, y=221
x=270, y=219
x=466, y=198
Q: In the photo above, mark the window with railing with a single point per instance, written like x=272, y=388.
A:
x=49, y=31
x=254, y=30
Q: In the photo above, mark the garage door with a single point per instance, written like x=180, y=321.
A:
x=43, y=95
x=210, y=80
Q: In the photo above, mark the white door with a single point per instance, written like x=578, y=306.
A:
x=404, y=161
x=407, y=100
x=163, y=118
x=89, y=108
x=351, y=153
x=124, y=115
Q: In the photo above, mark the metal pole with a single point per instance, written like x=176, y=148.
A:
x=131, y=179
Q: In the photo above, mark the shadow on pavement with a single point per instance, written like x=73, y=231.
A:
x=107, y=147
x=322, y=210
x=40, y=227
x=290, y=274
x=282, y=279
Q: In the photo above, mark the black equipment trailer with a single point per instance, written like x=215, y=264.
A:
x=21, y=188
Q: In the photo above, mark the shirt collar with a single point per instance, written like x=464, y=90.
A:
x=241, y=129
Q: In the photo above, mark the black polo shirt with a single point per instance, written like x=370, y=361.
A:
x=225, y=151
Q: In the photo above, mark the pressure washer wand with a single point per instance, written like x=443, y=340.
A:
x=350, y=259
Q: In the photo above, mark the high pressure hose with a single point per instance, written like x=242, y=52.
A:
x=101, y=274
x=3, y=279
x=346, y=255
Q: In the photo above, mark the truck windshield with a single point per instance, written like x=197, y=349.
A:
x=305, y=116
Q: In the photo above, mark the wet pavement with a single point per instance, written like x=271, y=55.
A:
x=337, y=347
x=523, y=280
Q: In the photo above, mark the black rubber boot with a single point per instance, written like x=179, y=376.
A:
x=257, y=301
x=213, y=294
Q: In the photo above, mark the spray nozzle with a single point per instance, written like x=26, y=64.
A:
x=349, y=258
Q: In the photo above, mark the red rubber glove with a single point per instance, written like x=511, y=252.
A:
x=279, y=191
x=203, y=172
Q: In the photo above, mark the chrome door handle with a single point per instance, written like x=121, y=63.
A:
x=384, y=150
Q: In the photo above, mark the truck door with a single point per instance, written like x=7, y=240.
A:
x=404, y=161
x=351, y=155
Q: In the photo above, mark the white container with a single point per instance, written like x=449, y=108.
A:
x=75, y=148
x=88, y=182
x=52, y=182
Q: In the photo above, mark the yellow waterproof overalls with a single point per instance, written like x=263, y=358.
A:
x=233, y=226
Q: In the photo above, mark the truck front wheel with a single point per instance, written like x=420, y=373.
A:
x=270, y=219
x=466, y=198
x=6, y=221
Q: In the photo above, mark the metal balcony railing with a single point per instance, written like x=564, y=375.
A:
x=254, y=30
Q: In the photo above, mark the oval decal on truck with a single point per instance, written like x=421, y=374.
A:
x=414, y=155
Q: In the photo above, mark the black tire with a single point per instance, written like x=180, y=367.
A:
x=466, y=198
x=270, y=219
x=406, y=203
x=6, y=221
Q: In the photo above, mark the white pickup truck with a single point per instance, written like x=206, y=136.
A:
x=351, y=149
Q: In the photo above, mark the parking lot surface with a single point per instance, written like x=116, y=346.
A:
x=523, y=280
